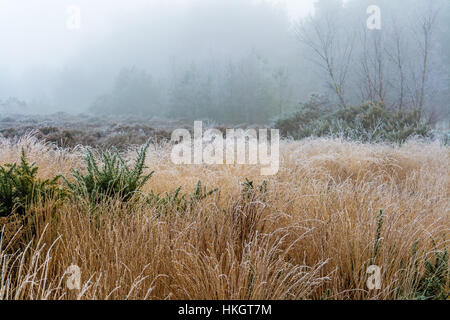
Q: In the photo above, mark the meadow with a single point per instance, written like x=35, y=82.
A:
x=226, y=232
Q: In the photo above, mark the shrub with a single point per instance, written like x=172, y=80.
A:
x=170, y=202
x=443, y=136
x=434, y=283
x=20, y=187
x=115, y=179
x=369, y=122
x=316, y=108
x=250, y=191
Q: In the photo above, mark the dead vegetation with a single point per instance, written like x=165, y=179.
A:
x=309, y=232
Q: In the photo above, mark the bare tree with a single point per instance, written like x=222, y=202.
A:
x=372, y=66
x=427, y=20
x=332, y=52
x=397, y=57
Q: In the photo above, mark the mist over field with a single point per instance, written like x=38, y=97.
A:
x=224, y=149
x=228, y=61
x=162, y=40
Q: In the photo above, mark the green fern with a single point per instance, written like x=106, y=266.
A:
x=20, y=187
x=250, y=190
x=114, y=179
x=177, y=202
x=434, y=283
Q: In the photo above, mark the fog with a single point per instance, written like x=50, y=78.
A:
x=178, y=58
x=39, y=52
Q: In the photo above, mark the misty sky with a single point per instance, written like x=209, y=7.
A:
x=34, y=33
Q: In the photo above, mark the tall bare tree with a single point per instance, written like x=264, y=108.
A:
x=427, y=19
x=373, y=66
x=332, y=52
x=397, y=56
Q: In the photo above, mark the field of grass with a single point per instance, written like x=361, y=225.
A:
x=309, y=232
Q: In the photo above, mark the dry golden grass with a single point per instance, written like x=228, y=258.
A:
x=311, y=236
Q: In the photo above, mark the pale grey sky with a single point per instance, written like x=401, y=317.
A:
x=35, y=33
x=298, y=8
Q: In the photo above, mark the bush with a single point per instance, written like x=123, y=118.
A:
x=250, y=192
x=443, y=136
x=434, y=284
x=316, y=108
x=113, y=180
x=369, y=122
x=175, y=202
x=20, y=187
